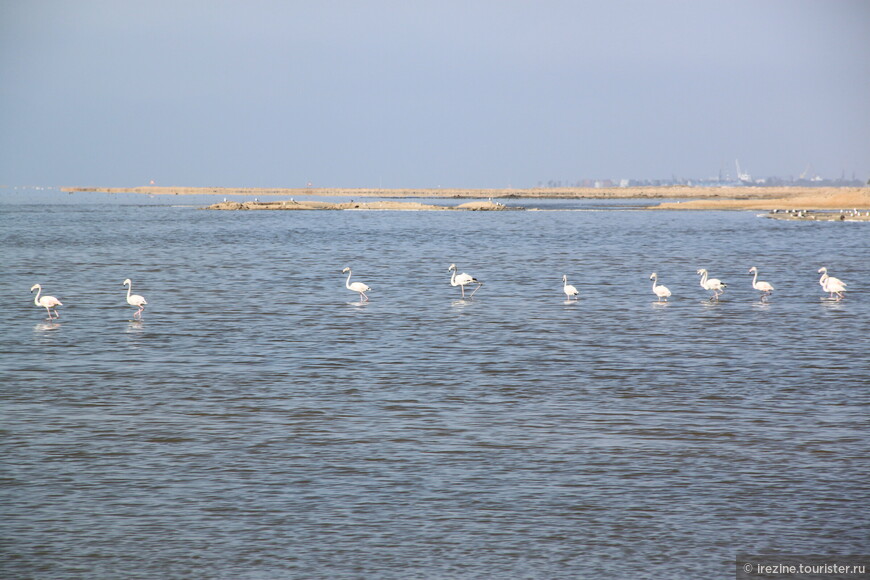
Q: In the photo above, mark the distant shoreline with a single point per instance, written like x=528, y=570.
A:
x=720, y=198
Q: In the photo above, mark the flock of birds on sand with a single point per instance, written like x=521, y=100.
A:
x=831, y=285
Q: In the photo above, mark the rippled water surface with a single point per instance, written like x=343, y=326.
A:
x=260, y=422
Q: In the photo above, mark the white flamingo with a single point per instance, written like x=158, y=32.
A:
x=463, y=280
x=356, y=286
x=134, y=299
x=830, y=284
x=47, y=302
x=661, y=291
x=568, y=289
x=764, y=287
x=714, y=284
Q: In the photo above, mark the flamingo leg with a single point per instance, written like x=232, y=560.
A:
x=476, y=289
x=462, y=288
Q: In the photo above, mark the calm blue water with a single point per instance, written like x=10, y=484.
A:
x=261, y=423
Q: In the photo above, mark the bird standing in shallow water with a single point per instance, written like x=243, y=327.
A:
x=764, y=287
x=462, y=280
x=134, y=299
x=661, y=291
x=568, y=289
x=47, y=302
x=356, y=286
x=714, y=284
x=831, y=284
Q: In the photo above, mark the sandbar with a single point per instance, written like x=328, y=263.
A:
x=359, y=205
x=823, y=198
x=694, y=198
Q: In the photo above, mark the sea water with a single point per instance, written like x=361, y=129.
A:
x=261, y=421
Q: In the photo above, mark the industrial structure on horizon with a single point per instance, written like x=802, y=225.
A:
x=808, y=178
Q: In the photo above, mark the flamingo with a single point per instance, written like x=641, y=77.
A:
x=356, y=286
x=825, y=278
x=134, y=299
x=831, y=284
x=714, y=284
x=568, y=288
x=462, y=280
x=661, y=291
x=47, y=302
x=764, y=287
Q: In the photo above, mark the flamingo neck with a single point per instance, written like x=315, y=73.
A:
x=347, y=284
x=754, y=278
x=654, y=283
x=704, y=278
x=129, y=289
x=38, y=292
x=453, y=278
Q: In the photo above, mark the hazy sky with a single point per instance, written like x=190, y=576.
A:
x=424, y=94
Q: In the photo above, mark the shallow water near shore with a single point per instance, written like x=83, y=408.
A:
x=262, y=422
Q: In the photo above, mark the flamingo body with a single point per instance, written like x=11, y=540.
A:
x=568, y=289
x=714, y=284
x=462, y=280
x=764, y=287
x=134, y=299
x=831, y=284
x=356, y=286
x=48, y=302
x=661, y=291
x=834, y=287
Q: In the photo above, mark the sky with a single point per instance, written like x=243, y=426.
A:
x=453, y=93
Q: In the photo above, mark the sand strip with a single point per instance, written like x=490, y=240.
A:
x=374, y=205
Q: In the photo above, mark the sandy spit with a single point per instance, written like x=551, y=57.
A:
x=736, y=198
x=373, y=205
x=676, y=192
